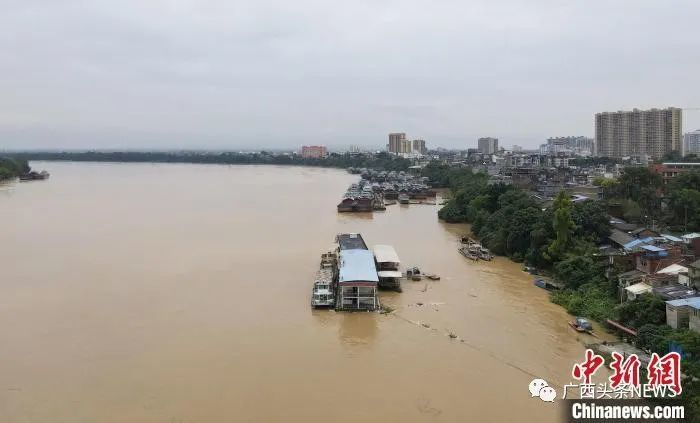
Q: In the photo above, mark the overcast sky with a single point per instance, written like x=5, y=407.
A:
x=245, y=74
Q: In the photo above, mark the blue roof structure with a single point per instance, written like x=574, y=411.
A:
x=693, y=302
x=357, y=266
x=671, y=238
x=652, y=248
x=636, y=242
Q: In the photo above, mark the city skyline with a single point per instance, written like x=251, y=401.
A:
x=269, y=74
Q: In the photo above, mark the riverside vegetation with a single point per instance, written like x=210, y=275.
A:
x=12, y=167
x=381, y=160
x=561, y=240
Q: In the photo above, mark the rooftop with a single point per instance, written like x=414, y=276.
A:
x=640, y=230
x=692, y=301
x=637, y=242
x=673, y=269
x=351, y=242
x=674, y=292
x=652, y=248
x=357, y=266
x=385, y=254
x=639, y=288
x=671, y=238
x=619, y=237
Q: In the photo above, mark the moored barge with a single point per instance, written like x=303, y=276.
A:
x=322, y=293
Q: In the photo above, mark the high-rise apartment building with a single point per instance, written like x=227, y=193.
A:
x=397, y=142
x=691, y=143
x=419, y=146
x=406, y=147
x=488, y=145
x=637, y=133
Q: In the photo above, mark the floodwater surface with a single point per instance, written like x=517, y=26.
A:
x=180, y=293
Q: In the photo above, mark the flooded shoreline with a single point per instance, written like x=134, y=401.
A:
x=170, y=292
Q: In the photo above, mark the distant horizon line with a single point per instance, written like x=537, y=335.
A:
x=214, y=150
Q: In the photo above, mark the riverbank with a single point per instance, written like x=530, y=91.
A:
x=563, y=239
x=334, y=160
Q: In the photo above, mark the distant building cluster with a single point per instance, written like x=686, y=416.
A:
x=636, y=136
x=638, y=133
x=314, y=151
x=400, y=145
x=578, y=145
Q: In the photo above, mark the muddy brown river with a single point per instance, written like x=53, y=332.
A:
x=180, y=293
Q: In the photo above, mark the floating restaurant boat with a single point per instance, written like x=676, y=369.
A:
x=357, y=275
x=357, y=281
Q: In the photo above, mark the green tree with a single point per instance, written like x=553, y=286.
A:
x=631, y=210
x=578, y=270
x=642, y=186
x=12, y=167
x=646, y=309
x=591, y=220
x=608, y=185
x=686, y=180
x=684, y=205
x=563, y=226
x=654, y=337
x=590, y=300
